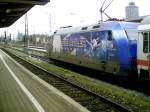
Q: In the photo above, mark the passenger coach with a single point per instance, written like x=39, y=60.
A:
x=143, y=51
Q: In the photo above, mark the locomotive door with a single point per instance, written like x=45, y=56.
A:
x=111, y=50
x=146, y=49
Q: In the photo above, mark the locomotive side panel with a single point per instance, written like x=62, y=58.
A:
x=89, y=44
x=93, y=49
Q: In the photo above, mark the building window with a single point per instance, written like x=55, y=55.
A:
x=145, y=42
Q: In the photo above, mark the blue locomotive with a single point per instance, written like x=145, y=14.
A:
x=109, y=46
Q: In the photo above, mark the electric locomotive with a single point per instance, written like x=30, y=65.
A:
x=109, y=46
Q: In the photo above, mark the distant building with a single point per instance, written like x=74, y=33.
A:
x=38, y=41
x=132, y=11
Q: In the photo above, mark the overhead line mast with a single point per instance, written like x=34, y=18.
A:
x=26, y=38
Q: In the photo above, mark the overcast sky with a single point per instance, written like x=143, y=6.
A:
x=72, y=12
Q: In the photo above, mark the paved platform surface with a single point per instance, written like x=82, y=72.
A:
x=22, y=91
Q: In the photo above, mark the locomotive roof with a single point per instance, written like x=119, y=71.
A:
x=108, y=25
x=70, y=29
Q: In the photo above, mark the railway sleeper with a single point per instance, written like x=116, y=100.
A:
x=79, y=99
x=53, y=80
x=76, y=95
x=93, y=102
x=65, y=87
x=83, y=96
x=75, y=92
x=45, y=79
x=103, y=107
x=71, y=91
x=57, y=84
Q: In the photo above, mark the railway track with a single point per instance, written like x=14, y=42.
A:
x=138, y=85
x=92, y=101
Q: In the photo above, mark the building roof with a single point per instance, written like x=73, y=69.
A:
x=146, y=20
x=12, y=10
x=137, y=19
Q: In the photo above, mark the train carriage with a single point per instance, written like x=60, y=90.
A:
x=143, y=51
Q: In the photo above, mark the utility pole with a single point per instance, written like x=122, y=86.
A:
x=5, y=38
x=26, y=37
x=50, y=22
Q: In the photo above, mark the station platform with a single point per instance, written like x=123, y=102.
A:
x=22, y=91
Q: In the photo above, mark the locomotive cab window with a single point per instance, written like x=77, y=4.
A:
x=109, y=36
x=145, y=42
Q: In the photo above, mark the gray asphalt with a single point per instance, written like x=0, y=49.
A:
x=14, y=99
